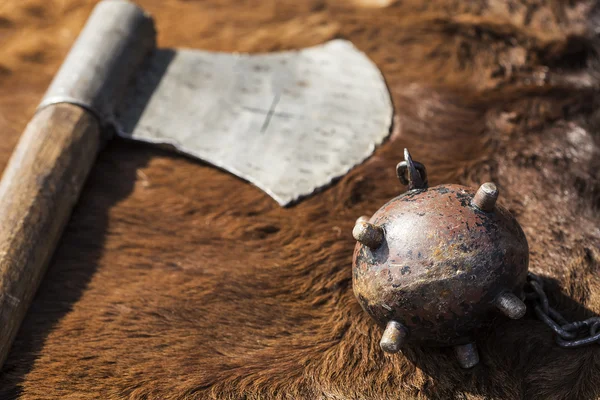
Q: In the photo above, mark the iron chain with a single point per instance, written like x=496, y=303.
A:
x=568, y=334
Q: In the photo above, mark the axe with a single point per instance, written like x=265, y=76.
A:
x=289, y=123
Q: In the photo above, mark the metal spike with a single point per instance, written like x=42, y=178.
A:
x=411, y=173
x=486, y=196
x=393, y=337
x=368, y=234
x=362, y=218
x=511, y=305
x=467, y=355
x=414, y=178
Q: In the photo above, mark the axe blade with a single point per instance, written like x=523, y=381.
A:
x=288, y=122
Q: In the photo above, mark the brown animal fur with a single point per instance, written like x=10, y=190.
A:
x=175, y=280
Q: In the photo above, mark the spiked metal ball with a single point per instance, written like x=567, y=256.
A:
x=434, y=265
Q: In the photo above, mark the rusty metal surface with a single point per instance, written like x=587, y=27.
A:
x=441, y=266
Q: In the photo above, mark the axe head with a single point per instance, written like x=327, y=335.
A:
x=288, y=122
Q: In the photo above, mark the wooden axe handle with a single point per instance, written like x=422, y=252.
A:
x=38, y=191
x=47, y=170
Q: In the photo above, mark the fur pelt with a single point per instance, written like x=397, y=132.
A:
x=175, y=280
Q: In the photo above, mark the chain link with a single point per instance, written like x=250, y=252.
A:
x=568, y=334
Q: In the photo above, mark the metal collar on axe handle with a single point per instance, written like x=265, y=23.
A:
x=288, y=122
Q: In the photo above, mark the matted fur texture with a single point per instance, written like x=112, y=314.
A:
x=175, y=280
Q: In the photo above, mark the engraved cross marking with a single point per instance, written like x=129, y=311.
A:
x=269, y=114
